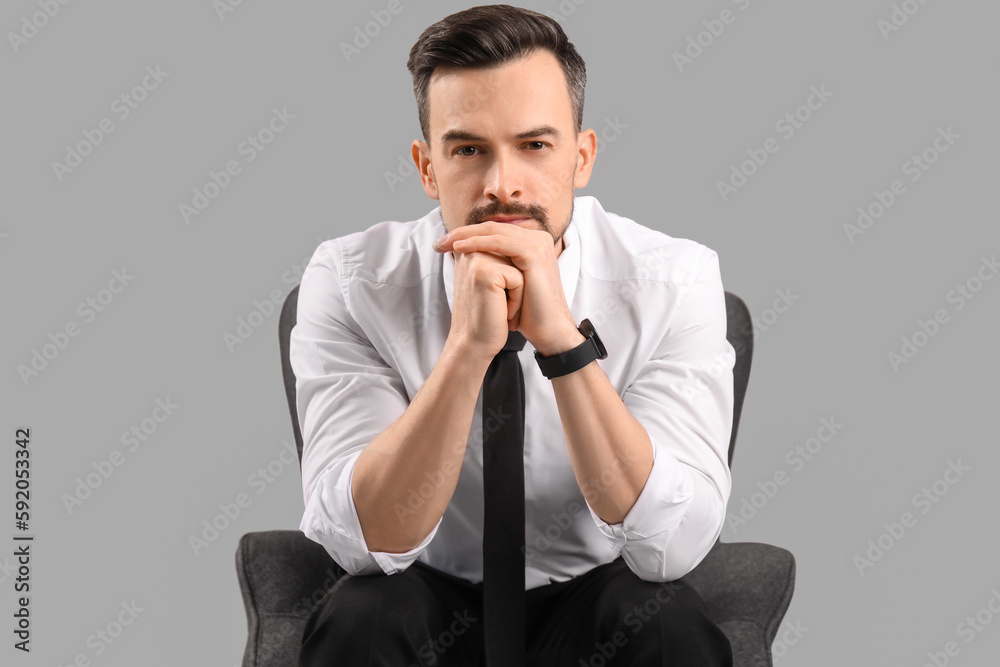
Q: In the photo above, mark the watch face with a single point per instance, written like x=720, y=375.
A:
x=600, y=346
x=588, y=330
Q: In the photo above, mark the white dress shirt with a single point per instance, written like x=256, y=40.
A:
x=374, y=313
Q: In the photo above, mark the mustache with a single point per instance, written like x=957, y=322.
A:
x=511, y=208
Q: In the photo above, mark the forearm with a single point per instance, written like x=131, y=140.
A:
x=423, y=448
x=609, y=449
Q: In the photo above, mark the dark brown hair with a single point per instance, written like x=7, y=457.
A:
x=489, y=36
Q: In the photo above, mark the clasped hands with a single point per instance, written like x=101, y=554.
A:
x=503, y=271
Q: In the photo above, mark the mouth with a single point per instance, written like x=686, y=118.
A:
x=506, y=218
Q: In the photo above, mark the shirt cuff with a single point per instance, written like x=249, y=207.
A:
x=657, y=512
x=331, y=519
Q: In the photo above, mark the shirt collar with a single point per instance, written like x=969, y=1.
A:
x=569, y=259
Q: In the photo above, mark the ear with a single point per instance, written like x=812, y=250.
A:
x=586, y=153
x=422, y=158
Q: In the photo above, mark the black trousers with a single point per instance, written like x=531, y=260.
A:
x=606, y=617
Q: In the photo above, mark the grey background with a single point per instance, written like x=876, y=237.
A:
x=324, y=176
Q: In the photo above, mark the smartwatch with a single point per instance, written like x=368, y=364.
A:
x=573, y=360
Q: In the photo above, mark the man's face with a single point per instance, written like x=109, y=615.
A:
x=503, y=145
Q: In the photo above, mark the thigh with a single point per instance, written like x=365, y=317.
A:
x=610, y=617
x=417, y=617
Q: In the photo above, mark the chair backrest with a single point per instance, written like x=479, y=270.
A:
x=285, y=323
x=739, y=333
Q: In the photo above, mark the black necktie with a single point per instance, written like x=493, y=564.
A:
x=503, y=521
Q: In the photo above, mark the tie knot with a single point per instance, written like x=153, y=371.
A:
x=515, y=342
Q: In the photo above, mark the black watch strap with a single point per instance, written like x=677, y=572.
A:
x=573, y=360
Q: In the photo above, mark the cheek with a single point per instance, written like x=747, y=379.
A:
x=553, y=187
x=459, y=181
x=571, y=172
x=560, y=175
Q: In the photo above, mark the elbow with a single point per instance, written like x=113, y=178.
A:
x=675, y=553
x=353, y=563
x=349, y=553
x=663, y=566
x=665, y=570
x=390, y=544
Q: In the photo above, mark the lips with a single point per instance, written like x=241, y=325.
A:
x=506, y=218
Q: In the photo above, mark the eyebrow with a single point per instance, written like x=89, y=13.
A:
x=462, y=135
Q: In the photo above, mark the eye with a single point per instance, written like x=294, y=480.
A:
x=537, y=145
x=463, y=151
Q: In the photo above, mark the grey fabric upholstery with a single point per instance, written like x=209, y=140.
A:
x=746, y=586
x=282, y=575
x=739, y=333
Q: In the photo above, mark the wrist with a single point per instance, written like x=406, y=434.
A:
x=566, y=341
x=467, y=353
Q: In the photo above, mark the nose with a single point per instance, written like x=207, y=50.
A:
x=503, y=178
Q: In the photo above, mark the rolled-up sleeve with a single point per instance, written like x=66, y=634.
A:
x=345, y=395
x=683, y=397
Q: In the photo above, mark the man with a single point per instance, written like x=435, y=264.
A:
x=625, y=458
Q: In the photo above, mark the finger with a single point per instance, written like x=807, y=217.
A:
x=482, y=229
x=514, y=285
x=515, y=298
x=497, y=244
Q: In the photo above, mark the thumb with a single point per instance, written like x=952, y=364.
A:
x=514, y=288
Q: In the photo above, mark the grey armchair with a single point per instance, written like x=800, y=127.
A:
x=746, y=586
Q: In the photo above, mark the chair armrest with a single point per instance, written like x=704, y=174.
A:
x=282, y=574
x=747, y=587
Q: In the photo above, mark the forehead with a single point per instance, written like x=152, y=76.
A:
x=527, y=92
